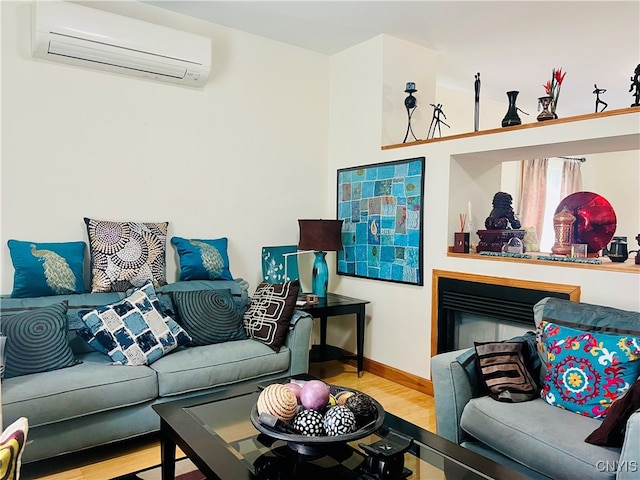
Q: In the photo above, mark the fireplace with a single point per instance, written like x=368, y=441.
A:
x=467, y=308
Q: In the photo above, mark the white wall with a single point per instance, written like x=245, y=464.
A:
x=234, y=159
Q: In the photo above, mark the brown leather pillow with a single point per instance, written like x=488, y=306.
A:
x=611, y=432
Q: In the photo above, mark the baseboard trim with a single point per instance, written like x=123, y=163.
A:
x=401, y=377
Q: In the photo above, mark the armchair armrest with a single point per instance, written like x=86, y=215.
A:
x=298, y=341
x=629, y=463
x=453, y=387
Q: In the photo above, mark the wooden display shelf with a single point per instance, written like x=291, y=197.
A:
x=524, y=126
x=607, y=265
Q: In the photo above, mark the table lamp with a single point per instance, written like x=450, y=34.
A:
x=320, y=236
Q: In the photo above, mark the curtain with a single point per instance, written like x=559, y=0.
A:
x=571, y=178
x=533, y=193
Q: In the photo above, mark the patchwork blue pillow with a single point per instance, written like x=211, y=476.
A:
x=203, y=259
x=587, y=371
x=133, y=331
x=45, y=269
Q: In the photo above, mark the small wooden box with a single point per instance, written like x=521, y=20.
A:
x=461, y=242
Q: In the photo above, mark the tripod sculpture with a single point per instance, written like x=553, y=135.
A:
x=410, y=105
x=436, y=121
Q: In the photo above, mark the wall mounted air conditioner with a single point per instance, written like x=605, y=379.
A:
x=77, y=35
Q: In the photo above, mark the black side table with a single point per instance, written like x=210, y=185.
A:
x=331, y=306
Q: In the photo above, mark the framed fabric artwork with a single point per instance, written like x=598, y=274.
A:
x=381, y=205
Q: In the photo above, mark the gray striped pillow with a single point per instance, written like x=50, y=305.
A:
x=37, y=341
x=504, y=372
x=209, y=316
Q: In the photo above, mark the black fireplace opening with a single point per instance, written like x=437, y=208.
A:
x=493, y=304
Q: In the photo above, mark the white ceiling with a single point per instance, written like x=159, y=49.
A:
x=513, y=44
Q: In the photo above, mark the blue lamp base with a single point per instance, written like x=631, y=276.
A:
x=320, y=275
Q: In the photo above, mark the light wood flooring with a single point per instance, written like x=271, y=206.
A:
x=112, y=461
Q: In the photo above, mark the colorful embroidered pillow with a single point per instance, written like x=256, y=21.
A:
x=44, y=269
x=203, y=259
x=612, y=430
x=37, y=341
x=504, y=372
x=269, y=314
x=125, y=255
x=587, y=371
x=210, y=316
x=133, y=331
x=12, y=443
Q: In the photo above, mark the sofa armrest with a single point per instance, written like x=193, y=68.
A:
x=452, y=390
x=298, y=341
x=629, y=463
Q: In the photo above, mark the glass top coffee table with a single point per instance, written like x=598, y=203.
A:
x=216, y=433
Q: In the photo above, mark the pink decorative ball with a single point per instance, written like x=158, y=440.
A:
x=314, y=395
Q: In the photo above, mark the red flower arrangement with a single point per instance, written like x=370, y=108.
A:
x=552, y=88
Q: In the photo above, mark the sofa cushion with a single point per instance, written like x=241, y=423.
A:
x=126, y=254
x=42, y=269
x=37, y=341
x=210, y=316
x=12, y=443
x=504, y=372
x=612, y=430
x=95, y=385
x=587, y=371
x=269, y=314
x=543, y=438
x=202, y=259
x=199, y=368
x=133, y=331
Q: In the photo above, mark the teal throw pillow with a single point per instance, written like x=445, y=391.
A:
x=203, y=259
x=37, y=341
x=210, y=316
x=44, y=269
x=133, y=331
x=588, y=371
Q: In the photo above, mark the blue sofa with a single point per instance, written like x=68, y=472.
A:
x=95, y=402
x=533, y=437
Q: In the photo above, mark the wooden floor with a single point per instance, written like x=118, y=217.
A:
x=112, y=461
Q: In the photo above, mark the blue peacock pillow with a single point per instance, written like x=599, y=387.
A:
x=203, y=259
x=45, y=269
x=588, y=371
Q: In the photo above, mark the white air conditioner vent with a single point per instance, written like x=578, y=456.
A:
x=77, y=35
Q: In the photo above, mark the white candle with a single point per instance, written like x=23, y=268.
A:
x=469, y=220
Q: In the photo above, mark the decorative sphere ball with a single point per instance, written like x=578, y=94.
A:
x=295, y=388
x=362, y=407
x=343, y=396
x=314, y=395
x=339, y=420
x=279, y=401
x=309, y=422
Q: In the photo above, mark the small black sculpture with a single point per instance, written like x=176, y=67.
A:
x=410, y=105
x=502, y=216
x=597, y=93
x=476, y=113
x=635, y=82
x=436, y=121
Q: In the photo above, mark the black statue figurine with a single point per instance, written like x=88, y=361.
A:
x=502, y=216
x=597, y=93
x=476, y=113
x=635, y=82
x=436, y=121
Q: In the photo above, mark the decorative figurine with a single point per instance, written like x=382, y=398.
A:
x=597, y=93
x=436, y=121
x=410, y=105
x=502, y=216
x=476, y=115
x=635, y=82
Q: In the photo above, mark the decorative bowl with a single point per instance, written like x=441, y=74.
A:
x=309, y=445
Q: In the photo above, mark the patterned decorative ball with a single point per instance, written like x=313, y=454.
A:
x=279, y=401
x=342, y=397
x=362, y=407
x=339, y=420
x=309, y=422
